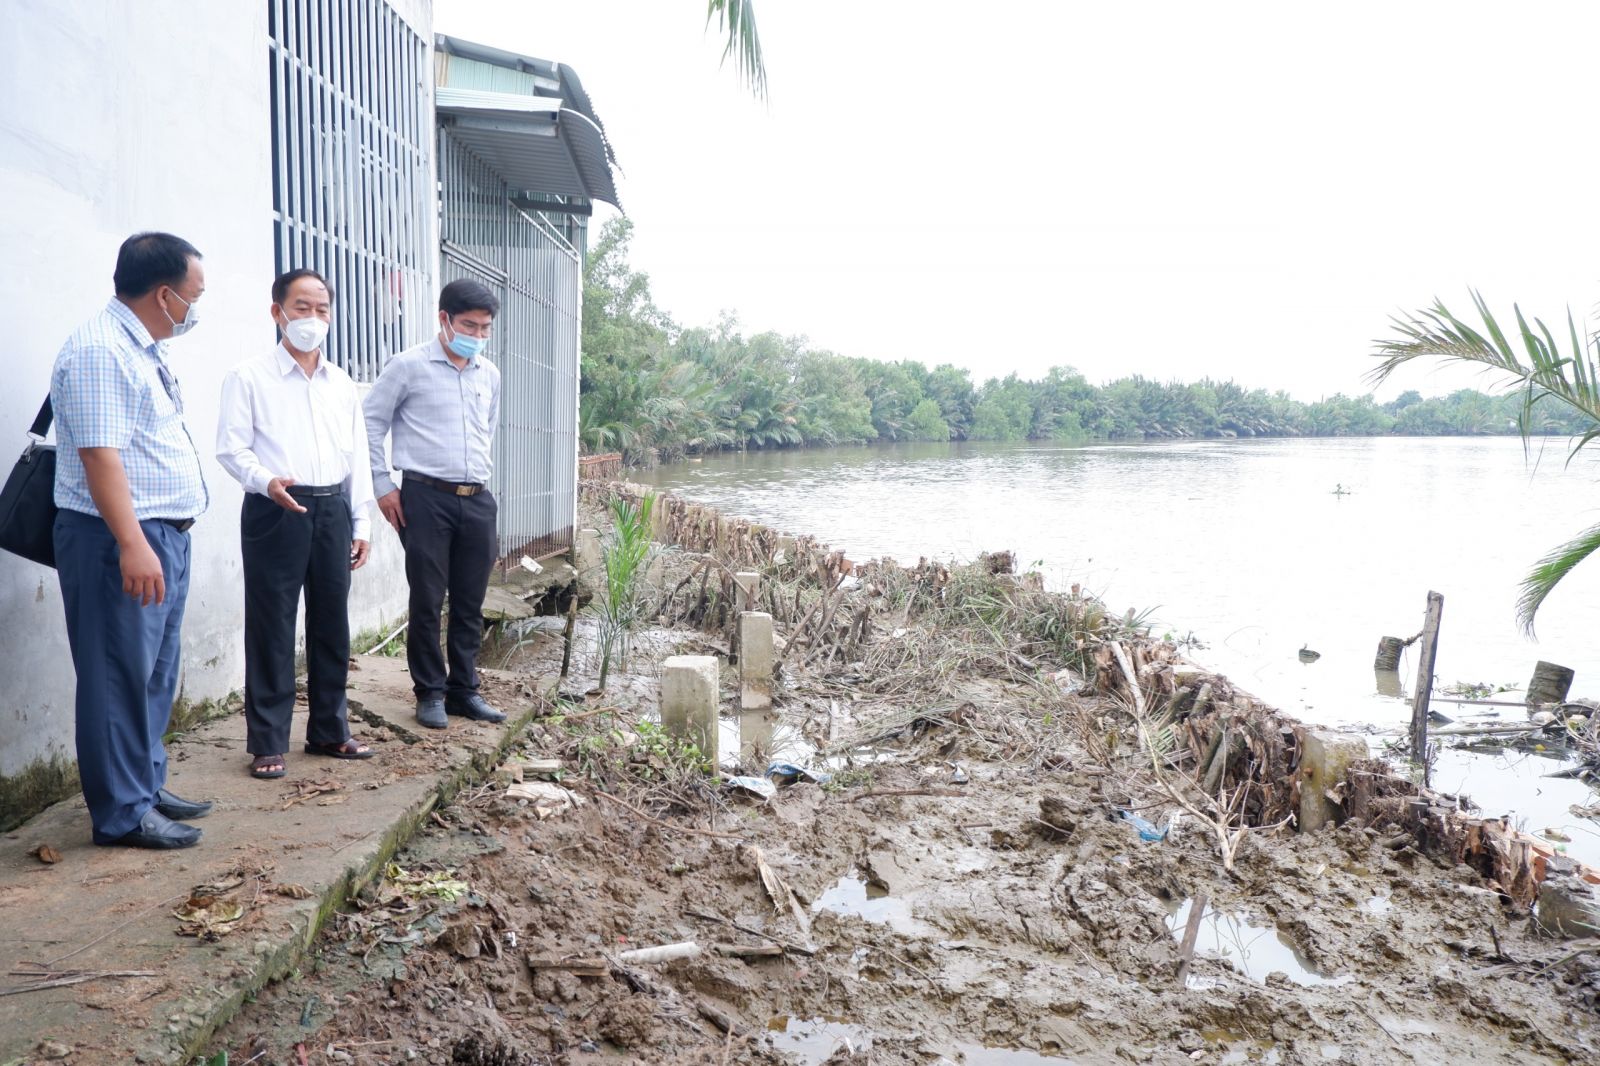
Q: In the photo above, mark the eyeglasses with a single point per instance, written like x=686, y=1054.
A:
x=170, y=383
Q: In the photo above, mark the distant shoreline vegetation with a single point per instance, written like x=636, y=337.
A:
x=657, y=392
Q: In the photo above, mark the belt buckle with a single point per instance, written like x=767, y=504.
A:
x=465, y=490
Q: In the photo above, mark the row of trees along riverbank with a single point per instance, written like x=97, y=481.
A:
x=653, y=389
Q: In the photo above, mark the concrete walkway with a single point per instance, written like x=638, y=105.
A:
x=328, y=827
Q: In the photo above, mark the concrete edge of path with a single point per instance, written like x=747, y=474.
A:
x=115, y=901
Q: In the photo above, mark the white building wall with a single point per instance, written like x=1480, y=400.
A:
x=117, y=117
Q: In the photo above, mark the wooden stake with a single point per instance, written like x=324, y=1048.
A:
x=1425, y=660
x=1191, y=933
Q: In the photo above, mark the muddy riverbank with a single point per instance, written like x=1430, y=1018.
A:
x=973, y=882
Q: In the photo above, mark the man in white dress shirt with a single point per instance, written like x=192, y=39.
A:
x=292, y=433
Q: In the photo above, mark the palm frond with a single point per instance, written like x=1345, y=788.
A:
x=1541, y=369
x=737, y=20
x=1549, y=572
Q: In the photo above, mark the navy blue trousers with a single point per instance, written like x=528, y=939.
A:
x=127, y=660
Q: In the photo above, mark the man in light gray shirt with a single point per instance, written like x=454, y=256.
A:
x=441, y=402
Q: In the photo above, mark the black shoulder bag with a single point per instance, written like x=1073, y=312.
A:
x=28, y=502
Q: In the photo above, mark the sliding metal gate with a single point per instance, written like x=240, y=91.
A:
x=538, y=277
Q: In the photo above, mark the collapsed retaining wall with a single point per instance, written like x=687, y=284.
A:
x=1256, y=766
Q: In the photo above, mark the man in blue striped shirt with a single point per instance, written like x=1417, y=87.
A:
x=129, y=486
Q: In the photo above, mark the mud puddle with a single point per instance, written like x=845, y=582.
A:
x=1255, y=950
x=854, y=894
x=814, y=1041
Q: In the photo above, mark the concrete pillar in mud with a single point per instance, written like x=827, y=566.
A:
x=1325, y=758
x=749, y=590
x=755, y=660
x=589, y=557
x=689, y=701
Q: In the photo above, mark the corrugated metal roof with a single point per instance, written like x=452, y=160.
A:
x=534, y=142
x=549, y=78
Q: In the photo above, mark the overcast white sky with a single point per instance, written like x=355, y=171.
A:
x=1174, y=189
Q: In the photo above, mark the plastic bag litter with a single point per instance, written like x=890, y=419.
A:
x=790, y=772
x=760, y=786
x=1146, y=828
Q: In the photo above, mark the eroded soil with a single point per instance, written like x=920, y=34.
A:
x=1014, y=918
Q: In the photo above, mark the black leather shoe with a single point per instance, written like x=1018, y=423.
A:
x=156, y=830
x=430, y=712
x=473, y=706
x=179, y=809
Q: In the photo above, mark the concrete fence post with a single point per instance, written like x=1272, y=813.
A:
x=749, y=590
x=755, y=661
x=590, y=558
x=689, y=701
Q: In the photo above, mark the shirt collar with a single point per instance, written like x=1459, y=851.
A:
x=438, y=355
x=130, y=321
x=286, y=363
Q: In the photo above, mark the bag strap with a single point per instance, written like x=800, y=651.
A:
x=41, y=421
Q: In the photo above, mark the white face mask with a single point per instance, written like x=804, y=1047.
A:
x=305, y=334
x=191, y=317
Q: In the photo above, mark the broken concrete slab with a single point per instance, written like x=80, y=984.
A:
x=502, y=605
x=327, y=827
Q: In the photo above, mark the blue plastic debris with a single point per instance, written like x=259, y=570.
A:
x=758, y=785
x=1146, y=828
x=790, y=772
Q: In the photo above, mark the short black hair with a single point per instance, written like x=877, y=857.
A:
x=464, y=295
x=149, y=260
x=280, y=286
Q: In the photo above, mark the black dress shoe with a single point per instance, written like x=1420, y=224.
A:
x=156, y=830
x=473, y=706
x=430, y=712
x=179, y=809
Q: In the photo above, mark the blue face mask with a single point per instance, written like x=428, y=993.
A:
x=468, y=348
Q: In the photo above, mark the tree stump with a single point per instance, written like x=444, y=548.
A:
x=1550, y=683
x=1388, y=657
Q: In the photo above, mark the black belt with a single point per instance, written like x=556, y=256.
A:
x=316, y=490
x=452, y=487
x=180, y=524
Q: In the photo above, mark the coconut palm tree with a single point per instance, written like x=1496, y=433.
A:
x=1541, y=369
x=737, y=19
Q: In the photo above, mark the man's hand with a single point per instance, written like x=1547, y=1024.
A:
x=141, y=573
x=278, y=493
x=389, y=504
x=359, y=549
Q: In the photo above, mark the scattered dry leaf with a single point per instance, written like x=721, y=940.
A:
x=304, y=790
x=208, y=917
x=46, y=854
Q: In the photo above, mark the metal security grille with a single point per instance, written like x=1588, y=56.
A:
x=538, y=277
x=351, y=187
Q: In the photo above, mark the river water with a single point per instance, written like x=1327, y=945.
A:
x=1249, y=547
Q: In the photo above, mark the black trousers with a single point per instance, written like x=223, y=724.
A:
x=451, y=546
x=285, y=553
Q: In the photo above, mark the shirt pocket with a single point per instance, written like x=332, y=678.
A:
x=480, y=406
